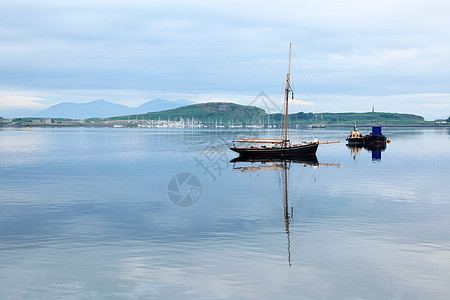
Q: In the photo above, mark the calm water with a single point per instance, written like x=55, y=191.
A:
x=86, y=214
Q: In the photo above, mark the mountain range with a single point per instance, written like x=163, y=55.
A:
x=98, y=108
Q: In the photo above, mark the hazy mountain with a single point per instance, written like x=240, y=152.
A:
x=98, y=108
x=84, y=110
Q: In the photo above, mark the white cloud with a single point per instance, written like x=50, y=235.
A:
x=419, y=104
x=11, y=101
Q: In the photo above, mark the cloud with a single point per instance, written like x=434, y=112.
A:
x=11, y=101
x=420, y=104
x=226, y=47
x=300, y=102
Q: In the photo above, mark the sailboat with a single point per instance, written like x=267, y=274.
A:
x=315, y=125
x=277, y=148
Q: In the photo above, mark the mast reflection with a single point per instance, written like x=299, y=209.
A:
x=281, y=165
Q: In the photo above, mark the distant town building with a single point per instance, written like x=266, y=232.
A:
x=47, y=120
x=440, y=121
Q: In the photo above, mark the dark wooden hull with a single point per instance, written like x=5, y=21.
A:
x=374, y=140
x=292, y=151
x=355, y=141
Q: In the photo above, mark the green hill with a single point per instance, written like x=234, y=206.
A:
x=373, y=118
x=227, y=113
x=204, y=112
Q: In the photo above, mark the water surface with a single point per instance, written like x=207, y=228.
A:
x=85, y=213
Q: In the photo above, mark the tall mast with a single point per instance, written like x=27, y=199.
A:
x=288, y=88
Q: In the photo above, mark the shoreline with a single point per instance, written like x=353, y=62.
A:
x=219, y=128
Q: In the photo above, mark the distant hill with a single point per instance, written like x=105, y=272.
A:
x=372, y=118
x=205, y=112
x=216, y=112
x=98, y=108
x=225, y=113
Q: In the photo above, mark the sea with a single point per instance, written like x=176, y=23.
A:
x=143, y=213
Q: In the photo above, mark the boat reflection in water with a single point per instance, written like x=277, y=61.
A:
x=374, y=149
x=283, y=166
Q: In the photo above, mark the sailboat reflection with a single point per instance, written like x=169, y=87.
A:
x=282, y=165
x=374, y=149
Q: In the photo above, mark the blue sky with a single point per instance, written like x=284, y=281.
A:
x=348, y=55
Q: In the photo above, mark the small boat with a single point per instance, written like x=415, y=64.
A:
x=315, y=125
x=375, y=138
x=277, y=148
x=318, y=126
x=355, y=138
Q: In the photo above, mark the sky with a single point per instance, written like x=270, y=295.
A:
x=347, y=55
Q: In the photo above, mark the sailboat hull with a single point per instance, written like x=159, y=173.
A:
x=296, y=150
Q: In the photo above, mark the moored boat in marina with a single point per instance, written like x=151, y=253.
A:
x=355, y=138
x=375, y=138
